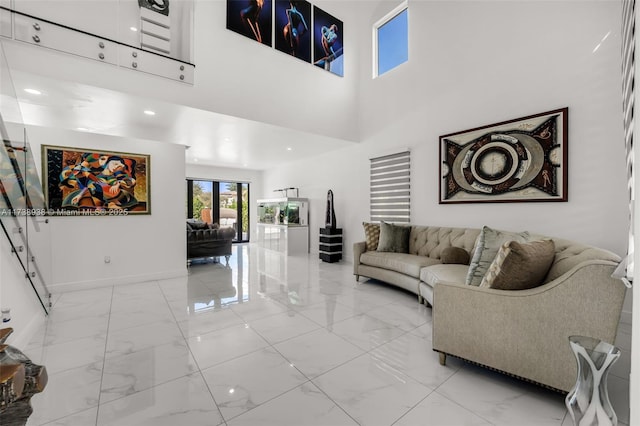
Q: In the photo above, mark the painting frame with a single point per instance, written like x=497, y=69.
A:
x=296, y=41
x=519, y=160
x=251, y=19
x=328, y=42
x=92, y=182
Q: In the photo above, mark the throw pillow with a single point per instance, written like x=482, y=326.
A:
x=455, y=255
x=489, y=242
x=371, y=235
x=394, y=238
x=519, y=266
x=199, y=225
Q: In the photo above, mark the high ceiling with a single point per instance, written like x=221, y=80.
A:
x=213, y=139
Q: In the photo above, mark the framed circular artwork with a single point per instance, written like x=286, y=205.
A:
x=517, y=160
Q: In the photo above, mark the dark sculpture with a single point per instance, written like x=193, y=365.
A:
x=20, y=379
x=330, y=218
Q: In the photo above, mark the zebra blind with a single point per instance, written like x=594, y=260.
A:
x=628, y=71
x=390, y=188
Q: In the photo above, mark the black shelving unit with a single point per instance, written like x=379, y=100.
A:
x=330, y=244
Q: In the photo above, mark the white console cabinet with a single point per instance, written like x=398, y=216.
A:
x=283, y=225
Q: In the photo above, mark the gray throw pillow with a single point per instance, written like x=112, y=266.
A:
x=394, y=238
x=489, y=242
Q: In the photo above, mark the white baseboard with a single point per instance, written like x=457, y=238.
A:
x=107, y=282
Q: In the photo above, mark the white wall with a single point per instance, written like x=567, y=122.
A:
x=141, y=247
x=476, y=63
x=225, y=174
x=234, y=75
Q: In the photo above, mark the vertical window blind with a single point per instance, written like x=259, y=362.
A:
x=390, y=188
x=628, y=71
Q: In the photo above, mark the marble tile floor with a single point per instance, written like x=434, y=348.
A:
x=271, y=340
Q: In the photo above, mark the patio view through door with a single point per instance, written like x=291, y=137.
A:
x=224, y=203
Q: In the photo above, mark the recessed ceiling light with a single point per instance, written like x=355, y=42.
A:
x=82, y=129
x=149, y=112
x=133, y=28
x=289, y=148
x=33, y=91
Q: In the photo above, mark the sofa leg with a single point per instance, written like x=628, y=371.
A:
x=420, y=299
x=357, y=278
x=443, y=358
x=226, y=257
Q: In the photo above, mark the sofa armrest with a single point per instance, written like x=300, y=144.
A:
x=358, y=248
x=525, y=333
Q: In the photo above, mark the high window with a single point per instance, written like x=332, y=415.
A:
x=224, y=203
x=391, y=40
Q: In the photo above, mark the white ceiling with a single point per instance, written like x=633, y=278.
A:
x=214, y=139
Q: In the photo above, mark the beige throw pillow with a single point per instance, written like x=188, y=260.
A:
x=371, y=235
x=519, y=266
x=489, y=242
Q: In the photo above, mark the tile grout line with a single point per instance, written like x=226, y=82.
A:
x=195, y=361
x=104, y=357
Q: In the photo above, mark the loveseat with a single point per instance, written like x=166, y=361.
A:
x=523, y=333
x=208, y=240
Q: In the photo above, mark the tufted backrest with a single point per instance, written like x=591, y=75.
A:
x=569, y=254
x=211, y=234
x=429, y=241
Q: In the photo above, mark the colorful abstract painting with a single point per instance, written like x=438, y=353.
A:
x=80, y=182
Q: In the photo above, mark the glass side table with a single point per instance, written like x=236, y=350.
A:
x=588, y=402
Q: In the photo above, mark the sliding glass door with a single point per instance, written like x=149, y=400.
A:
x=224, y=203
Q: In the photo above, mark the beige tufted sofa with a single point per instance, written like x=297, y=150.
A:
x=522, y=333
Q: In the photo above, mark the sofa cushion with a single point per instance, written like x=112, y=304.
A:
x=455, y=255
x=371, y=235
x=449, y=274
x=394, y=238
x=519, y=266
x=407, y=264
x=489, y=242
